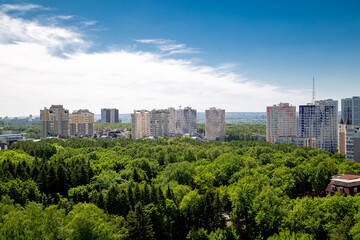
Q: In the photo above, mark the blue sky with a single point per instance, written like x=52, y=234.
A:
x=271, y=48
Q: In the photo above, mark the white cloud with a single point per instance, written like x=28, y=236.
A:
x=32, y=77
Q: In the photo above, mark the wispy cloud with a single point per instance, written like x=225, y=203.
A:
x=20, y=7
x=33, y=77
x=169, y=46
x=56, y=39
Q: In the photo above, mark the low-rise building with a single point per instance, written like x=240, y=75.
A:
x=7, y=139
x=348, y=184
x=298, y=141
x=112, y=133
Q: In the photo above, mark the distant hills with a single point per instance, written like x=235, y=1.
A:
x=230, y=117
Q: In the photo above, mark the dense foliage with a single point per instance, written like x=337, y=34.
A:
x=113, y=125
x=32, y=131
x=171, y=189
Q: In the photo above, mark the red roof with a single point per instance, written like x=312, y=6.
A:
x=349, y=177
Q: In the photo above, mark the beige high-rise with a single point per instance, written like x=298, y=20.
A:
x=54, y=122
x=140, y=124
x=280, y=121
x=349, y=140
x=82, y=123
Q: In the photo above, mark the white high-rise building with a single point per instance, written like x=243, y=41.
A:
x=319, y=121
x=186, y=121
x=350, y=110
x=215, y=124
x=160, y=124
x=163, y=123
x=140, y=124
x=280, y=121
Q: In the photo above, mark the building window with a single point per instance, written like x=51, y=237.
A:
x=333, y=188
x=355, y=190
x=341, y=189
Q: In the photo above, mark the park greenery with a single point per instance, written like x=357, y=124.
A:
x=172, y=189
x=32, y=131
x=233, y=131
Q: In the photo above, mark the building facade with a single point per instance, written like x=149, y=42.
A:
x=161, y=122
x=280, y=121
x=319, y=120
x=349, y=140
x=110, y=115
x=82, y=123
x=348, y=184
x=140, y=124
x=298, y=141
x=186, y=121
x=215, y=124
x=54, y=122
x=350, y=110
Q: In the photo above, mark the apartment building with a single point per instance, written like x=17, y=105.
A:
x=54, y=122
x=319, y=121
x=82, y=123
x=215, y=124
x=280, y=121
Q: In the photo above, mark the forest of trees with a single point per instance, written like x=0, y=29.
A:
x=172, y=189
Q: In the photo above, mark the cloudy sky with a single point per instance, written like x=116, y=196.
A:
x=141, y=54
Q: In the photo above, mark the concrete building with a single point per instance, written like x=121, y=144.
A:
x=54, y=122
x=140, y=124
x=215, y=124
x=348, y=184
x=7, y=139
x=109, y=115
x=160, y=124
x=163, y=123
x=349, y=140
x=299, y=141
x=186, y=121
x=319, y=120
x=82, y=123
x=350, y=110
x=280, y=121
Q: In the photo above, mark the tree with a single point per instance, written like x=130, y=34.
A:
x=112, y=204
x=86, y=221
x=139, y=224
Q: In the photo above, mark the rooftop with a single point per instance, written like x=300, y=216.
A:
x=346, y=178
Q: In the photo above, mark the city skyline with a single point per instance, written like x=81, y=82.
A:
x=139, y=55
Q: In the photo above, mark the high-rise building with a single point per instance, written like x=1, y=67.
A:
x=140, y=124
x=160, y=124
x=82, y=123
x=215, y=124
x=54, y=122
x=349, y=140
x=109, y=115
x=350, y=110
x=186, y=121
x=319, y=120
x=280, y=121
x=163, y=123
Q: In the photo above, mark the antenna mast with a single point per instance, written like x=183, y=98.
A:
x=313, y=92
